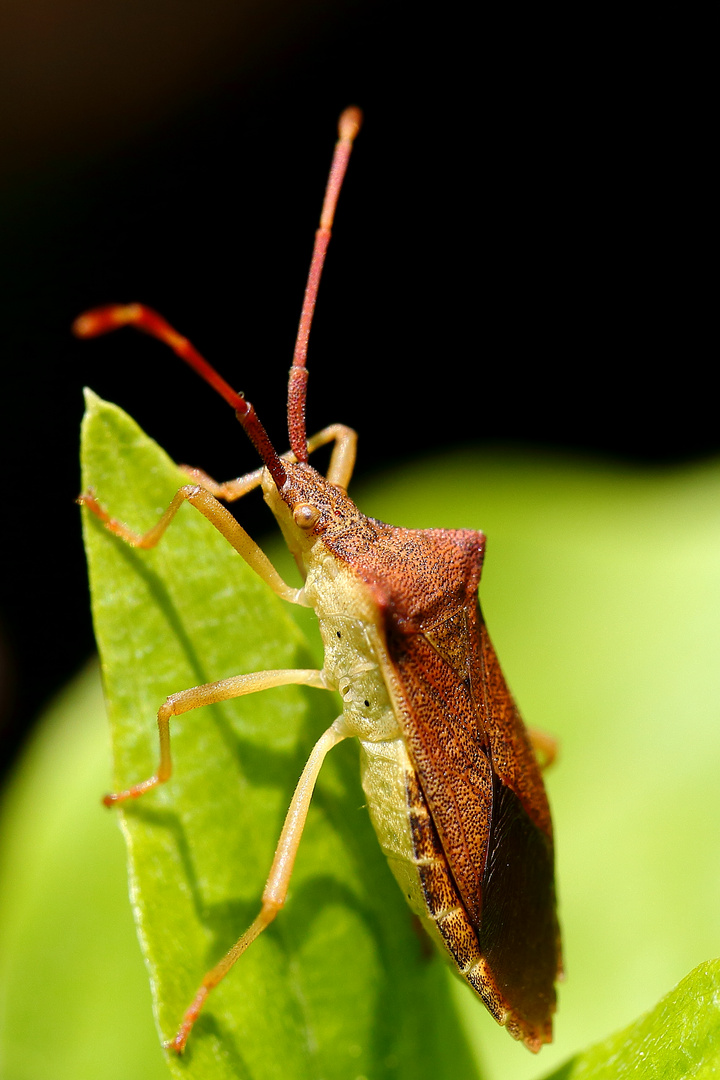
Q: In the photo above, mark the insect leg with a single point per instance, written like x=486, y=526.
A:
x=545, y=747
x=210, y=694
x=217, y=515
x=278, y=880
x=340, y=470
x=342, y=461
x=229, y=490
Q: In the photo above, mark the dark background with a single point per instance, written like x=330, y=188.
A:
x=519, y=253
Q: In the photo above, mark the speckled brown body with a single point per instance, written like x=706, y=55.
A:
x=406, y=644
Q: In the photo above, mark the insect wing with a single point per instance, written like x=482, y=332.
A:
x=482, y=785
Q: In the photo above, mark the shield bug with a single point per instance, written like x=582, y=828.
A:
x=450, y=773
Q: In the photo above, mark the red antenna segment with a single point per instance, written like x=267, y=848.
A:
x=348, y=127
x=103, y=319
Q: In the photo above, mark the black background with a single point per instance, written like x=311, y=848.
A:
x=520, y=252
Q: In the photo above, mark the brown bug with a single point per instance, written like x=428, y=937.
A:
x=452, y=782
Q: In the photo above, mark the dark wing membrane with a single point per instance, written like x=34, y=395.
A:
x=484, y=790
x=518, y=932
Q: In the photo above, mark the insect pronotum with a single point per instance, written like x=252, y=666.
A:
x=450, y=775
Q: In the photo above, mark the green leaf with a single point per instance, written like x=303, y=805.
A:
x=677, y=1040
x=339, y=986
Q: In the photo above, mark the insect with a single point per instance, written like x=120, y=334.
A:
x=450, y=774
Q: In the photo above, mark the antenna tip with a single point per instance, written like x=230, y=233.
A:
x=350, y=123
x=83, y=326
x=101, y=320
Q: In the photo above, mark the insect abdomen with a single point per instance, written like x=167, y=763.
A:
x=408, y=837
x=383, y=767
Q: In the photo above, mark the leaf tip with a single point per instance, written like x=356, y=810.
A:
x=92, y=400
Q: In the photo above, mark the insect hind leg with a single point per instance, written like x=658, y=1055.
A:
x=545, y=747
x=277, y=883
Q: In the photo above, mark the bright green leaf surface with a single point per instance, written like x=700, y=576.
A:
x=602, y=593
x=338, y=987
x=677, y=1040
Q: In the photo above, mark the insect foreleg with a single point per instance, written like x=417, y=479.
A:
x=218, y=516
x=229, y=490
x=210, y=694
x=342, y=463
x=278, y=880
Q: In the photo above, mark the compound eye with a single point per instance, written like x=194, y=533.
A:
x=306, y=516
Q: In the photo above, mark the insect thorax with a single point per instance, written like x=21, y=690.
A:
x=353, y=646
x=354, y=664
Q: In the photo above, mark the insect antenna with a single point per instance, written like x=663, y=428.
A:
x=348, y=127
x=103, y=319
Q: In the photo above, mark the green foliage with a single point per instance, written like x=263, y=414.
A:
x=338, y=986
x=677, y=1040
x=602, y=592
